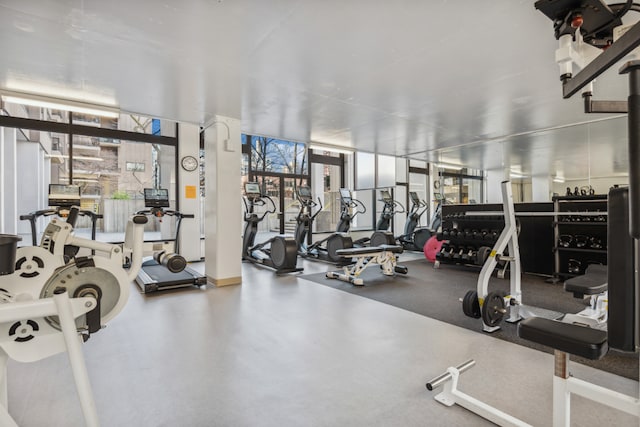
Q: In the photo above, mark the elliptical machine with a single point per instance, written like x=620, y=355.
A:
x=325, y=249
x=381, y=236
x=280, y=252
x=414, y=237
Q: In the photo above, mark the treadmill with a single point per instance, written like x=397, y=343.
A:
x=154, y=276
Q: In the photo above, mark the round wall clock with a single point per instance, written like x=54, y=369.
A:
x=189, y=163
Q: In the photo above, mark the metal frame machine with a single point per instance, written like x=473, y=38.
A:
x=165, y=270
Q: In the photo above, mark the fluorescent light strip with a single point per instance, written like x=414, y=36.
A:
x=517, y=175
x=73, y=106
x=448, y=166
x=558, y=179
x=331, y=149
x=64, y=156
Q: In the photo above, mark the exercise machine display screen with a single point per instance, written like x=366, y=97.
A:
x=345, y=195
x=438, y=196
x=252, y=190
x=414, y=197
x=304, y=192
x=64, y=195
x=156, y=198
x=386, y=196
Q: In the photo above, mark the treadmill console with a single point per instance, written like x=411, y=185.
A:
x=304, y=193
x=252, y=190
x=64, y=196
x=156, y=198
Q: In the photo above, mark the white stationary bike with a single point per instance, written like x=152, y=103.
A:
x=50, y=304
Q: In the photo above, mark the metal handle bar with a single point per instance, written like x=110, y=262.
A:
x=443, y=378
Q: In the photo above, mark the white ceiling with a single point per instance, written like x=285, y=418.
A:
x=471, y=82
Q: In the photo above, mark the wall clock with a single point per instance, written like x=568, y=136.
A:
x=189, y=163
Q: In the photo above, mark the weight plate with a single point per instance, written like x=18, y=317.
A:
x=482, y=254
x=493, y=308
x=471, y=305
x=72, y=277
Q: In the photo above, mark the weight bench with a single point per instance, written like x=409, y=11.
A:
x=594, y=284
x=572, y=338
x=383, y=255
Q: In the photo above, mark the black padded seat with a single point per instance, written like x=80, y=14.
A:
x=369, y=250
x=593, y=282
x=573, y=339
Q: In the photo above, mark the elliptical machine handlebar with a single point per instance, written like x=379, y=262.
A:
x=356, y=204
x=415, y=208
x=258, y=201
x=392, y=206
x=310, y=204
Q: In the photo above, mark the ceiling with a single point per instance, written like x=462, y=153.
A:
x=469, y=82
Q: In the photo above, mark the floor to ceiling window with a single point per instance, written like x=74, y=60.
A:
x=462, y=186
x=111, y=159
x=279, y=167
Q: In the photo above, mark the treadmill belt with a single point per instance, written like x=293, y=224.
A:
x=164, y=277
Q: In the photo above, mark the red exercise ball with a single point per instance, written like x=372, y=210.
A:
x=431, y=248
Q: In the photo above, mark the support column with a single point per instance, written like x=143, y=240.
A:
x=541, y=188
x=223, y=206
x=8, y=181
x=493, y=185
x=189, y=193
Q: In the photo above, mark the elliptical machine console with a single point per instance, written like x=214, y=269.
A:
x=280, y=252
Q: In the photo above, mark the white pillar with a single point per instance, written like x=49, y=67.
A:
x=223, y=214
x=189, y=192
x=541, y=188
x=494, y=179
x=8, y=181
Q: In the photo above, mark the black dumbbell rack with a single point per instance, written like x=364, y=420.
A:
x=536, y=238
x=580, y=234
x=463, y=236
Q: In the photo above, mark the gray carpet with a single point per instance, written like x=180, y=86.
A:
x=435, y=293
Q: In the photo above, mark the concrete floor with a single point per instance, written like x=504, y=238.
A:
x=283, y=351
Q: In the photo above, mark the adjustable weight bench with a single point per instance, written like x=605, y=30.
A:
x=594, y=284
x=383, y=255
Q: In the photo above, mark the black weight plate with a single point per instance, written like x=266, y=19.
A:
x=493, y=308
x=482, y=254
x=470, y=305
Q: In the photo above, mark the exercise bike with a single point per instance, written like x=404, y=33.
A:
x=50, y=304
x=280, y=252
x=325, y=249
x=165, y=270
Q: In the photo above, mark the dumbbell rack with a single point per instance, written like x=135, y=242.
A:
x=580, y=235
x=465, y=236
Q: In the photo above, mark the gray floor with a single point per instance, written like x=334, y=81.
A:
x=283, y=351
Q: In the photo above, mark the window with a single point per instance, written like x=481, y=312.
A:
x=463, y=186
x=111, y=172
x=274, y=155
